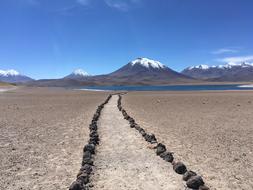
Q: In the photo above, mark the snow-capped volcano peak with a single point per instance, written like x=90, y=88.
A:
x=10, y=72
x=13, y=76
x=148, y=63
x=80, y=72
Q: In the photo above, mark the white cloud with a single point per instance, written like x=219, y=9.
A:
x=122, y=5
x=225, y=50
x=239, y=59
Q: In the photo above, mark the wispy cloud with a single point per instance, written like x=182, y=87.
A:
x=65, y=10
x=239, y=59
x=225, y=50
x=122, y=5
x=84, y=2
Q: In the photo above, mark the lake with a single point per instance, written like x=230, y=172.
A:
x=169, y=88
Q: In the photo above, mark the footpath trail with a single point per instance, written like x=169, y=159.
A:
x=123, y=160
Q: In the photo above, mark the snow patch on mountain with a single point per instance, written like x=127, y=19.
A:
x=199, y=67
x=226, y=66
x=148, y=63
x=10, y=72
x=80, y=72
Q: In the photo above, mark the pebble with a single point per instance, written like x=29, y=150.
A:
x=167, y=156
x=179, y=168
x=161, y=148
x=195, y=182
x=75, y=186
x=188, y=175
x=90, y=148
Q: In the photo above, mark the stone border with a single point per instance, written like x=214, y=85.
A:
x=82, y=181
x=193, y=181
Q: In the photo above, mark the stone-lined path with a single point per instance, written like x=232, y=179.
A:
x=123, y=159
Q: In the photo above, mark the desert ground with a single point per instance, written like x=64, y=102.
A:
x=211, y=132
x=42, y=133
x=124, y=161
x=6, y=87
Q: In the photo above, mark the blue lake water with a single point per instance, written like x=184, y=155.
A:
x=169, y=88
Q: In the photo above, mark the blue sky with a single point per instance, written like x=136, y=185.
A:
x=51, y=38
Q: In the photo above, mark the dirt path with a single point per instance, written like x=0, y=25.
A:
x=123, y=160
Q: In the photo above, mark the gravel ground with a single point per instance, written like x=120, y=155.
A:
x=124, y=161
x=211, y=132
x=42, y=133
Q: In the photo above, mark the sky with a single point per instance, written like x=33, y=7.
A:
x=51, y=38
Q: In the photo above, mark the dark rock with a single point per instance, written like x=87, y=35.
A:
x=94, y=136
x=179, y=168
x=87, y=158
x=87, y=161
x=90, y=148
x=153, y=138
x=76, y=186
x=94, y=140
x=150, y=138
x=83, y=178
x=143, y=133
x=188, y=175
x=160, y=148
x=137, y=127
x=126, y=117
x=131, y=120
x=93, y=127
x=167, y=156
x=132, y=125
x=195, y=182
x=93, y=132
x=86, y=168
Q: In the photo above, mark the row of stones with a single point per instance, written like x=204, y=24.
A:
x=193, y=181
x=82, y=181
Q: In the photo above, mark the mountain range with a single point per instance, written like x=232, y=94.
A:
x=230, y=72
x=143, y=71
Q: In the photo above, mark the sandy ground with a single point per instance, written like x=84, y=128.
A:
x=211, y=132
x=124, y=161
x=42, y=133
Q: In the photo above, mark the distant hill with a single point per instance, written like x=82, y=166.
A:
x=223, y=73
x=12, y=76
x=141, y=71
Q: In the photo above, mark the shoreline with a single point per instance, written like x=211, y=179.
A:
x=171, y=88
